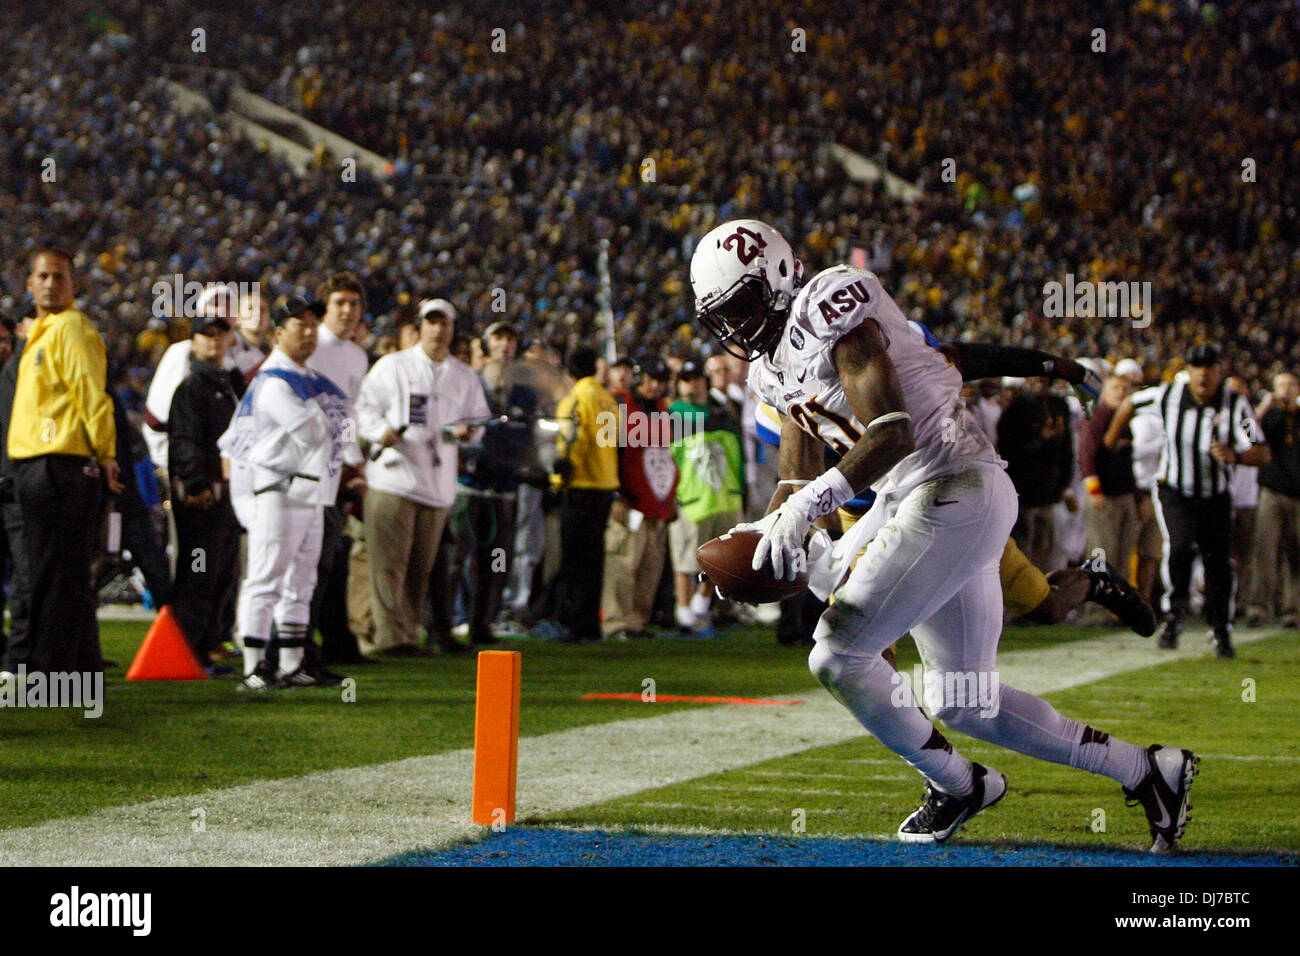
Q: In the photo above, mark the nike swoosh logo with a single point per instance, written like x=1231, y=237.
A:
x=803, y=375
x=1165, y=820
x=939, y=502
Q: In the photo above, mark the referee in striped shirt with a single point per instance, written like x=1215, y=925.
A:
x=1209, y=431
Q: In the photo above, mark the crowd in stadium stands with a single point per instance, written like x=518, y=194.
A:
x=1148, y=142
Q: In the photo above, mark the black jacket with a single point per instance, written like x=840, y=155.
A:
x=1035, y=438
x=200, y=413
x=8, y=384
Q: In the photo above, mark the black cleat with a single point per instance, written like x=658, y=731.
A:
x=1168, y=639
x=298, y=678
x=1115, y=594
x=943, y=814
x=262, y=679
x=1164, y=793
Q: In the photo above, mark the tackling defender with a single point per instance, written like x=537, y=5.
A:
x=830, y=355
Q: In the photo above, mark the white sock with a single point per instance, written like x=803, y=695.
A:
x=1030, y=725
x=685, y=617
x=700, y=604
x=252, y=657
x=290, y=659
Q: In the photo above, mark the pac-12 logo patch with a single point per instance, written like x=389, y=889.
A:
x=796, y=337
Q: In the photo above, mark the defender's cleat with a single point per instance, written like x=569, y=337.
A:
x=1115, y=594
x=299, y=678
x=1164, y=793
x=943, y=814
x=1221, y=641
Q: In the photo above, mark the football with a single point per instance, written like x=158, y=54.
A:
x=725, y=561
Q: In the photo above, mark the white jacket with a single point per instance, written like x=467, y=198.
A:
x=409, y=389
x=172, y=368
x=288, y=434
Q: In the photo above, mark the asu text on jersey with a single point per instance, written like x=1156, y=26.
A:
x=801, y=381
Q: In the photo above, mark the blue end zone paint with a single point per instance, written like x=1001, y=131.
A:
x=539, y=847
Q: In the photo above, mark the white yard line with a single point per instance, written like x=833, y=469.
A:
x=369, y=813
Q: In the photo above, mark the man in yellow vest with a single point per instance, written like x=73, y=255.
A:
x=62, y=442
x=590, y=472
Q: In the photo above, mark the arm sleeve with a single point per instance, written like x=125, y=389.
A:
x=476, y=404
x=186, y=461
x=567, y=431
x=83, y=366
x=986, y=360
x=373, y=397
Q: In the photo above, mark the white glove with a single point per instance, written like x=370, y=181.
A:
x=782, y=542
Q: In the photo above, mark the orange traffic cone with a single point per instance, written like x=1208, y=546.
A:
x=165, y=654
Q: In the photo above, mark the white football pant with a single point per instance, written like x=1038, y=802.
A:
x=284, y=541
x=932, y=569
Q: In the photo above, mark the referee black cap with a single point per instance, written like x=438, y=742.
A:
x=1204, y=355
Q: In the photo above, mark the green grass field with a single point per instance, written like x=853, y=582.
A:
x=167, y=739
x=1244, y=798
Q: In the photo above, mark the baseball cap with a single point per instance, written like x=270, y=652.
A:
x=652, y=367
x=1128, y=368
x=428, y=306
x=1204, y=355
x=690, y=370
x=206, y=324
x=216, y=297
x=496, y=327
x=294, y=306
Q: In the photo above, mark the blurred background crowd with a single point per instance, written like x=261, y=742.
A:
x=1115, y=141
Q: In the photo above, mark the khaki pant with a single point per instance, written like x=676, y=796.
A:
x=402, y=540
x=361, y=618
x=634, y=561
x=1112, y=524
x=1277, y=531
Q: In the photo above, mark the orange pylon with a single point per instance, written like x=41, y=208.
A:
x=496, y=736
x=165, y=654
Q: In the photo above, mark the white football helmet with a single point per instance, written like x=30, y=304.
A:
x=745, y=276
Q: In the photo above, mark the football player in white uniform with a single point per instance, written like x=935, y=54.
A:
x=836, y=357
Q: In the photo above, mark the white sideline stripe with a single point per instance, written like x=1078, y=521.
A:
x=805, y=775
x=729, y=809
x=797, y=791
x=358, y=814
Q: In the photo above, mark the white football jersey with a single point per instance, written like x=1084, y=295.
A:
x=801, y=381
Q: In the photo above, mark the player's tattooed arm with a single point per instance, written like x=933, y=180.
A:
x=871, y=386
x=800, y=458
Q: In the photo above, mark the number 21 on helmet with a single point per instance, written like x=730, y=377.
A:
x=745, y=276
